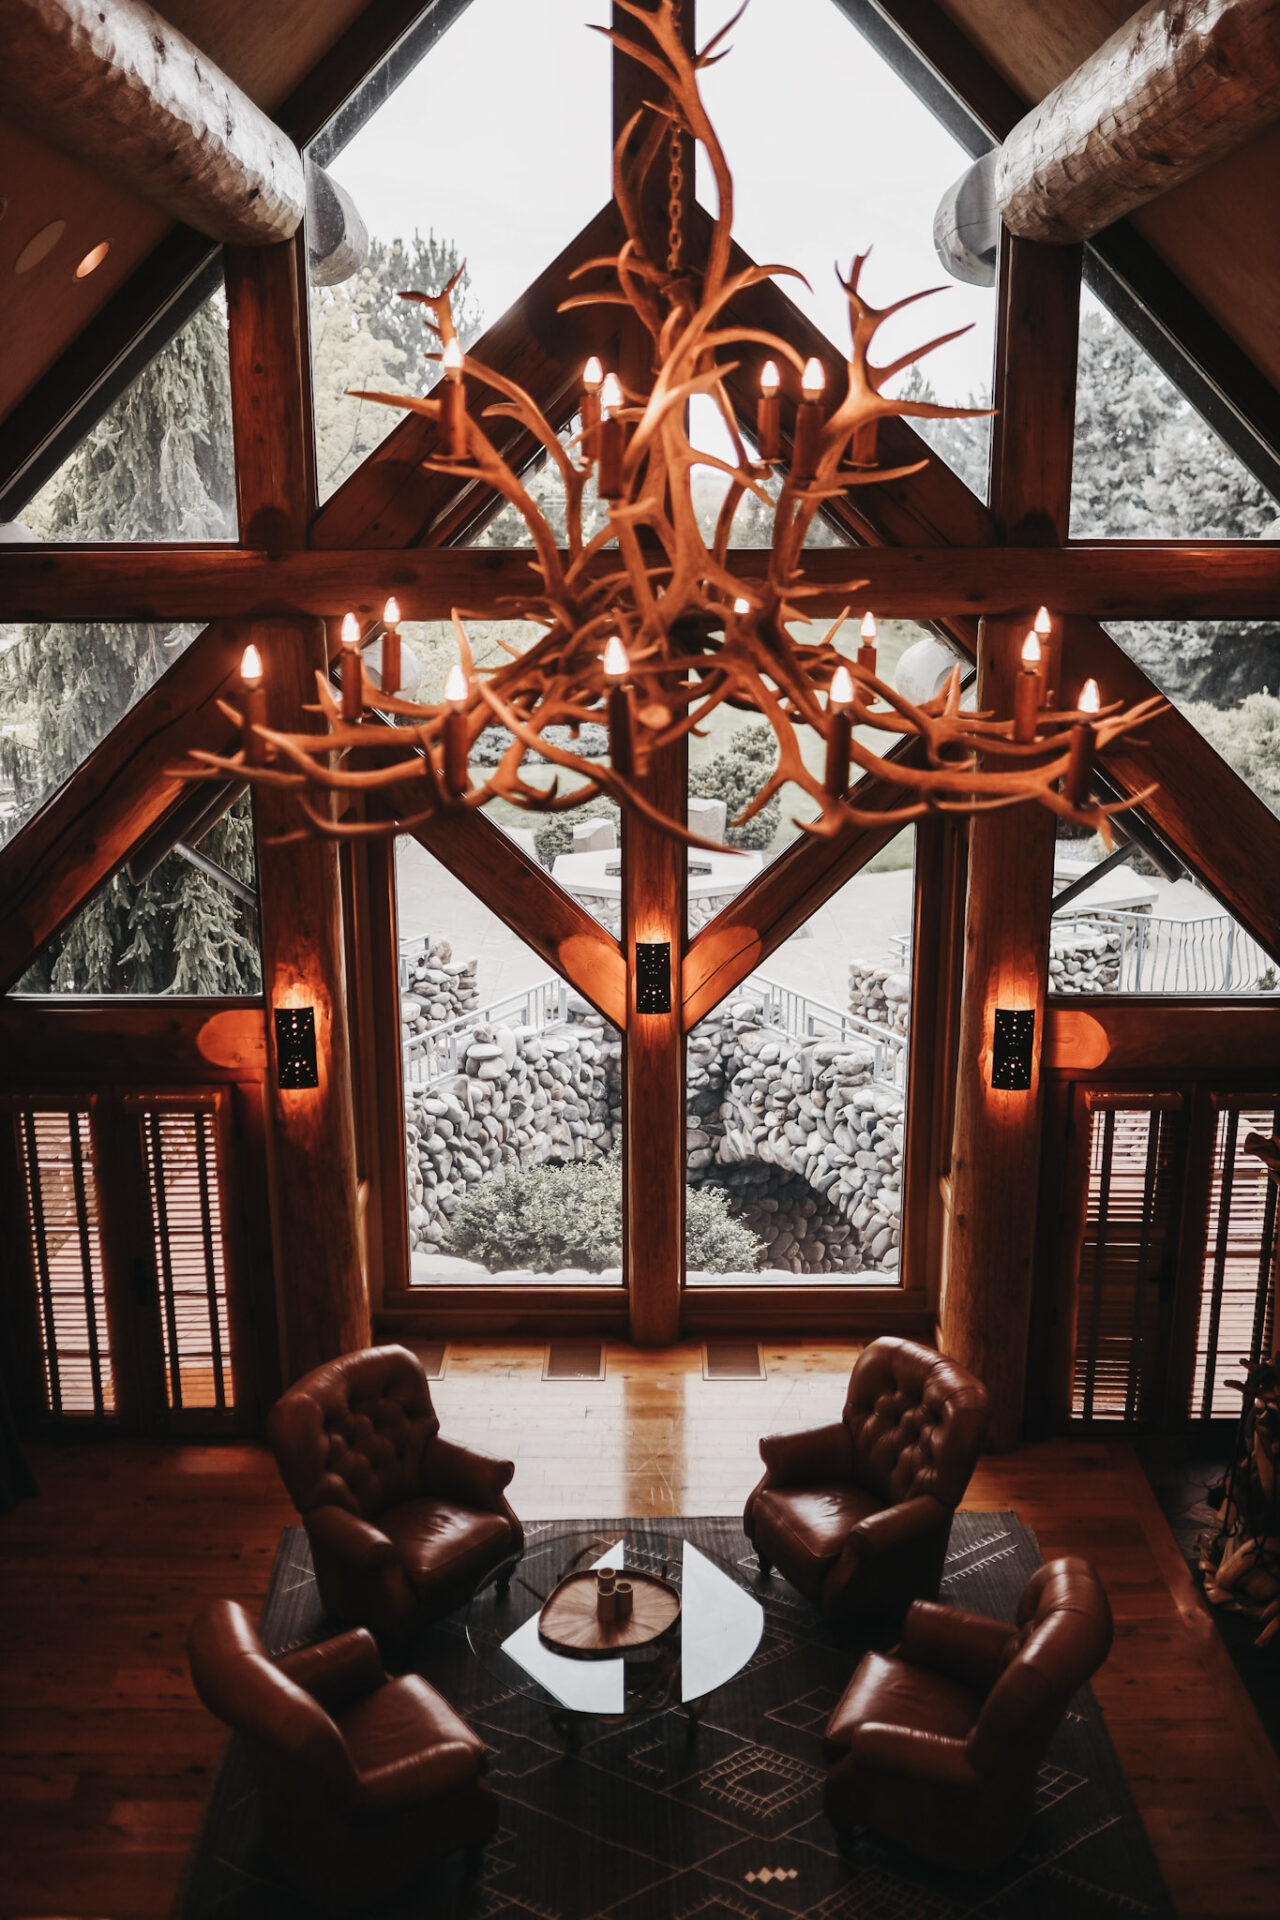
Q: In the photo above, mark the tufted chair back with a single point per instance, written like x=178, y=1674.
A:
x=352, y=1434
x=294, y=1743
x=916, y=1421
x=1062, y=1637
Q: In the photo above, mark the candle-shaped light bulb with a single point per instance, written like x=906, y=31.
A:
x=839, y=731
x=611, y=394
x=1031, y=650
x=253, y=703
x=813, y=380
x=593, y=375
x=453, y=404
x=768, y=411
x=610, y=439
x=1043, y=623
x=616, y=664
x=808, y=433
x=457, y=690
x=741, y=606
x=457, y=687
x=1083, y=740
x=867, y=645
x=621, y=740
x=451, y=358
x=592, y=381
x=389, y=672
x=352, y=671
x=1090, y=698
x=841, y=694
x=1027, y=690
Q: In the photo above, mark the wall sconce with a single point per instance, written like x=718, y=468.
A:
x=653, y=976
x=296, y=1048
x=1011, y=1049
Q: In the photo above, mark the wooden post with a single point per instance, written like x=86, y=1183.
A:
x=654, y=908
x=995, y=1153
x=373, y=962
x=320, y=1289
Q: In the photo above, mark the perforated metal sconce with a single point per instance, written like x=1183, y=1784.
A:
x=296, y=1048
x=653, y=976
x=1011, y=1049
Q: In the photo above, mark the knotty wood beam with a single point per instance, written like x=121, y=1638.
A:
x=1108, y=579
x=320, y=1288
x=111, y=82
x=986, y=1300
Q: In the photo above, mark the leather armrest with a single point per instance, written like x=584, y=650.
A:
x=474, y=1479
x=336, y=1672
x=968, y=1647
x=911, y=1753
x=818, y=1454
x=419, y=1777
x=347, y=1537
x=897, y=1526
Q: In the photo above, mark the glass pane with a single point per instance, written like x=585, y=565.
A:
x=159, y=464
x=1147, y=467
x=797, y=1096
x=852, y=160
x=184, y=929
x=432, y=174
x=513, y=1097
x=1135, y=930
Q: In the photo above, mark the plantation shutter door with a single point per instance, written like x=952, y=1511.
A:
x=180, y=1149
x=1125, y=1274
x=61, y=1203
x=1237, y=1277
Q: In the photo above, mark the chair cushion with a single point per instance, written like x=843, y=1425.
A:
x=440, y=1543
x=400, y=1722
x=803, y=1529
x=897, y=1694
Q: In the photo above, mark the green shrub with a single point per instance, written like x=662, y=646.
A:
x=554, y=835
x=736, y=777
x=551, y=1216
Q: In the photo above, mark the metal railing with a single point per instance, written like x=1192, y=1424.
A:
x=1162, y=955
x=808, y=1019
x=438, y=1053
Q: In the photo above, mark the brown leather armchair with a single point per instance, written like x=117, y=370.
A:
x=363, y=1781
x=938, y=1744
x=404, y=1526
x=857, y=1515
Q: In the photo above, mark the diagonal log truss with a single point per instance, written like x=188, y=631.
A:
x=84, y=832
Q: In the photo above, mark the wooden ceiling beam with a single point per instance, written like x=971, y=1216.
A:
x=1112, y=580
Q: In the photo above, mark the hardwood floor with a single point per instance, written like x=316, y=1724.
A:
x=106, y=1756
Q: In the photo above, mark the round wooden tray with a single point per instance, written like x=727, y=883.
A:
x=569, y=1622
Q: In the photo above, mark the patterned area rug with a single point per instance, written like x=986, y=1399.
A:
x=642, y=1823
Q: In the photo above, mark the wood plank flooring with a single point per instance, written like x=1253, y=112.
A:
x=106, y=1756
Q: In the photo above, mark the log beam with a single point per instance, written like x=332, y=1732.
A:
x=1108, y=579
x=995, y=1154
x=111, y=82
x=321, y=1298
x=1173, y=89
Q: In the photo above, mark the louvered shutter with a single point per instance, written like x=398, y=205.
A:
x=1131, y=1219
x=1236, y=1286
x=66, y=1256
x=180, y=1147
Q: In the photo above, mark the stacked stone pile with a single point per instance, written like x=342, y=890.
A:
x=807, y=1107
x=438, y=988
x=523, y=1097
x=1084, y=957
x=801, y=1232
x=881, y=992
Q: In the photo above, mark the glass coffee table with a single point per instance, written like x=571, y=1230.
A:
x=717, y=1632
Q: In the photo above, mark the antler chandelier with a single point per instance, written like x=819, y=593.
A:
x=644, y=622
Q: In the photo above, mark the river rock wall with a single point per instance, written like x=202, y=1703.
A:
x=436, y=988
x=880, y=991
x=1084, y=957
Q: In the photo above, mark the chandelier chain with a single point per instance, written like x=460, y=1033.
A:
x=675, y=178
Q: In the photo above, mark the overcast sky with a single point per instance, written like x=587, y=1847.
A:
x=500, y=141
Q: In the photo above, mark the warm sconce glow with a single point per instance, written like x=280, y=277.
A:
x=1012, y=1047
x=457, y=687
x=611, y=394
x=296, y=1063
x=1031, y=649
x=251, y=666
x=1090, y=698
x=813, y=380
x=616, y=664
x=93, y=259
x=593, y=375
x=771, y=379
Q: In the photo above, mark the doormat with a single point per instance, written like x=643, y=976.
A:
x=642, y=1823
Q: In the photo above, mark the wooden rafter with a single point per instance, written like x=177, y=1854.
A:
x=1109, y=579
